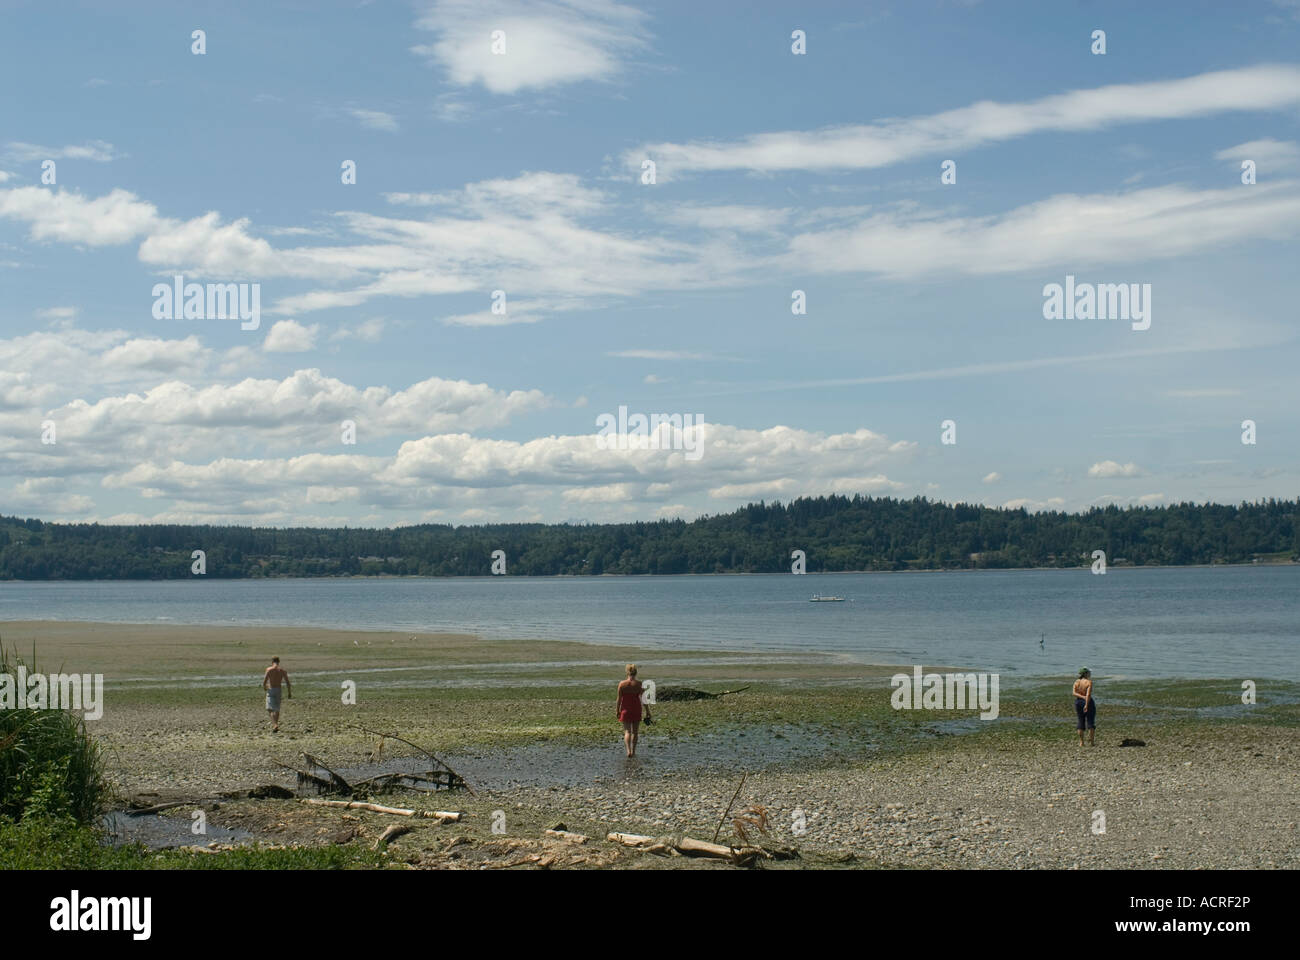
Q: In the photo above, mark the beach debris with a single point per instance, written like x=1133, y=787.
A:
x=1132, y=742
x=308, y=778
x=444, y=816
x=668, y=694
x=440, y=775
x=320, y=778
x=393, y=831
x=157, y=807
x=723, y=818
x=566, y=835
x=752, y=817
x=267, y=791
x=687, y=846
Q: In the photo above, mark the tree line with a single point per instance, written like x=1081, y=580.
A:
x=836, y=533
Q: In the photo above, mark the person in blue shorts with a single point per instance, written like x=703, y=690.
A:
x=1085, y=707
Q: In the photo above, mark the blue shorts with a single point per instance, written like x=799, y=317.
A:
x=273, y=699
x=1087, y=718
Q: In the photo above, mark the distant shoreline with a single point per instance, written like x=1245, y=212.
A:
x=1110, y=567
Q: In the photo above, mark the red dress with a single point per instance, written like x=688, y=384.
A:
x=629, y=701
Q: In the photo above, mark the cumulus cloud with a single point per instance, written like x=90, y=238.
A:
x=1109, y=470
x=117, y=217
x=290, y=336
x=457, y=473
x=549, y=43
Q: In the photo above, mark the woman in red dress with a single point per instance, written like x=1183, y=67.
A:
x=629, y=709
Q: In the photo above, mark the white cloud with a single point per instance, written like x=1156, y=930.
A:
x=1270, y=155
x=100, y=151
x=657, y=354
x=548, y=42
x=375, y=119
x=58, y=313
x=289, y=336
x=1035, y=506
x=737, y=217
x=1109, y=470
x=454, y=472
x=1087, y=230
x=993, y=477
x=893, y=141
x=116, y=217
x=368, y=330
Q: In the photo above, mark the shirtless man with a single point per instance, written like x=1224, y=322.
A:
x=275, y=675
x=1085, y=707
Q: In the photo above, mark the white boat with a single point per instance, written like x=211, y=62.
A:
x=818, y=598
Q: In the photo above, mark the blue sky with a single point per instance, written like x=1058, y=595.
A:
x=522, y=172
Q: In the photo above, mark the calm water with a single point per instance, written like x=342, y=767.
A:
x=1221, y=621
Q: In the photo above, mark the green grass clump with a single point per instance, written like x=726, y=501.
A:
x=49, y=765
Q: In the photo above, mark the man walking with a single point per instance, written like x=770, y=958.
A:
x=275, y=675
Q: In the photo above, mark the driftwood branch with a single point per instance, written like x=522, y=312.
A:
x=729, y=806
x=392, y=832
x=162, y=806
x=446, y=816
x=699, y=848
x=415, y=746
x=567, y=835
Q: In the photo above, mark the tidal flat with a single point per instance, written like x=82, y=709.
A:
x=839, y=775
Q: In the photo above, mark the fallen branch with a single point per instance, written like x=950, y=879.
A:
x=163, y=806
x=729, y=805
x=699, y=848
x=438, y=760
x=393, y=831
x=630, y=839
x=446, y=816
x=320, y=783
x=341, y=785
x=567, y=835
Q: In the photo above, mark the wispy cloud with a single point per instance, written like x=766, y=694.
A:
x=375, y=119
x=100, y=151
x=886, y=142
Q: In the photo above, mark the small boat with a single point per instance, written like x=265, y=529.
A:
x=818, y=598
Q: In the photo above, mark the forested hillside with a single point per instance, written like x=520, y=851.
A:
x=836, y=533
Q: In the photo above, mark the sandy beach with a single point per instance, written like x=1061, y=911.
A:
x=841, y=776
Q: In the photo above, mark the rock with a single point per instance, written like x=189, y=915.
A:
x=1132, y=742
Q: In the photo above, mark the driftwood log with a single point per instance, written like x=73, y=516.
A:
x=391, y=832
x=446, y=816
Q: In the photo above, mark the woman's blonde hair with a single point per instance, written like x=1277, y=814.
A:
x=631, y=669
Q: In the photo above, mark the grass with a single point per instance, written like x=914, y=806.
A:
x=60, y=843
x=49, y=764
